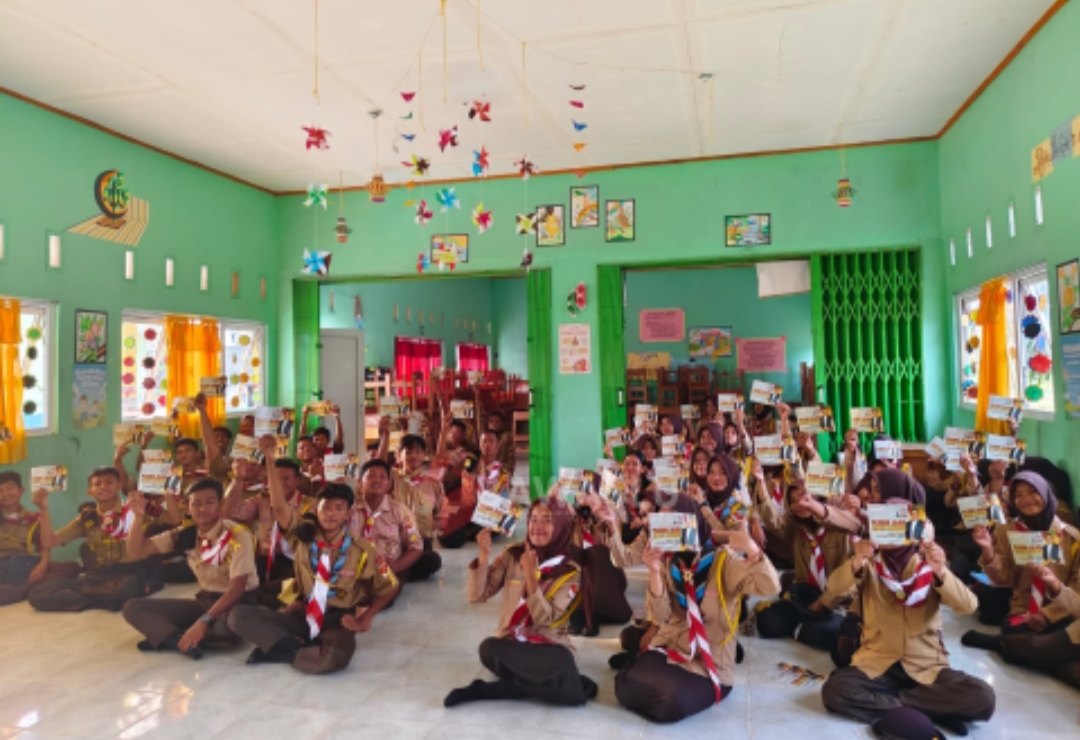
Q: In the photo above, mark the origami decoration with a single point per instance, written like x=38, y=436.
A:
x=316, y=196
x=480, y=109
x=316, y=137
x=407, y=137
x=526, y=223
x=316, y=263
x=447, y=199
x=526, y=260
x=480, y=162
x=577, y=88
x=483, y=219
x=844, y=193
x=577, y=103
x=342, y=230
x=419, y=165
x=579, y=126
x=423, y=215
x=525, y=168
x=377, y=188
x=407, y=117
x=579, y=146
x=422, y=262
x=408, y=96
x=411, y=203
x=447, y=137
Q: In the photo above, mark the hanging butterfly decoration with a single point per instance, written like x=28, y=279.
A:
x=448, y=199
x=342, y=230
x=579, y=126
x=316, y=263
x=480, y=163
x=480, y=110
x=577, y=88
x=525, y=168
x=448, y=137
x=483, y=219
x=423, y=262
x=423, y=214
x=577, y=104
x=316, y=138
x=316, y=196
x=578, y=146
x=526, y=223
x=418, y=165
x=408, y=96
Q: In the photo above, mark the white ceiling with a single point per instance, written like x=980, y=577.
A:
x=228, y=83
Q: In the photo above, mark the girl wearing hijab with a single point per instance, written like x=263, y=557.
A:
x=723, y=500
x=853, y=460
x=709, y=436
x=1032, y=507
x=737, y=442
x=686, y=661
x=901, y=660
x=636, y=489
x=603, y=557
x=540, y=580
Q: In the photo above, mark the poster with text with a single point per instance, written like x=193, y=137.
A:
x=1070, y=368
x=662, y=325
x=761, y=355
x=1068, y=277
x=88, y=385
x=575, y=350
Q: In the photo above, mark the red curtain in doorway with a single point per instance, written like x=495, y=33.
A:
x=472, y=358
x=415, y=358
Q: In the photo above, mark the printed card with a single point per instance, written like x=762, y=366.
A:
x=729, y=403
x=1009, y=449
x=645, y=416
x=980, y=510
x=461, y=409
x=395, y=440
x=49, y=477
x=669, y=476
x=824, y=480
x=689, y=412
x=764, y=393
x=334, y=468
x=936, y=449
x=673, y=532
x=184, y=406
x=809, y=419
x=952, y=461
x=672, y=445
x=773, y=449
x=896, y=524
x=958, y=439
x=268, y=420
x=213, y=387
x=888, y=449
x=603, y=463
x=164, y=427
x=611, y=485
x=496, y=513
x=416, y=423
x=156, y=457
x=322, y=408
x=867, y=420
x=246, y=448
x=1005, y=408
x=393, y=407
x=1036, y=548
x=572, y=484
x=617, y=437
x=154, y=477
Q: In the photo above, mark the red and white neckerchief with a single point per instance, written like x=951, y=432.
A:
x=698, y=637
x=914, y=590
x=316, y=604
x=520, y=617
x=277, y=542
x=588, y=539
x=817, y=555
x=117, y=523
x=21, y=517
x=1038, y=587
x=778, y=493
x=215, y=552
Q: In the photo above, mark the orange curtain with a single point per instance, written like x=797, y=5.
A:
x=194, y=354
x=993, y=354
x=12, y=432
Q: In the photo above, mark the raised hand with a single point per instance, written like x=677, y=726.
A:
x=483, y=540
x=41, y=499
x=695, y=492
x=862, y=553
x=268, y=446
x=935, y=558
x=530, y=561
x=982, y=537
x=1048, y=577
x=653, y=560
x=137, y=503
x=199, y=401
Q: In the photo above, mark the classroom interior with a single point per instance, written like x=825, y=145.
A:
x=897, y=179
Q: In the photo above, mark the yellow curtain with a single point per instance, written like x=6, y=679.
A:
x=993, y=353
x=194, y=354
x=13, y=449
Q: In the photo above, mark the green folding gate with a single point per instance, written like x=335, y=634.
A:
x=609, y=290
x=867, y=338
x=305, y=342
x=538, y=287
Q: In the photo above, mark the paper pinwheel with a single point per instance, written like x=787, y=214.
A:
x=423, y=262
x=480, y=109
x=483, y=219
x=316, y=137
x=525, y=168
x=423, y=215
x=526, y=260
x=480, y=163
x=447, y=137
x=579, y=126
x=407, y=117
x=316, y=196
x=317, y=263
x=526, y=223
x=447, y=199
x=408, y=96
x=419, y=165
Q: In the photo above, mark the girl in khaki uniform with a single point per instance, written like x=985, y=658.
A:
x=540, y=581
x=603, y=558
x=902, y=660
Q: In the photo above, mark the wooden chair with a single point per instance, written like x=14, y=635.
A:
x=520, y=431
x=637, y=387
x=695, y=382
x=730, y=382
x=667, y=392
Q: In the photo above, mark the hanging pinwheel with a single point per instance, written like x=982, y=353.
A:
x=419, y=166
x=483, y=219
x=316, y=138
x=525, y=168
x=316, y=196
x=447, y=137
x=480, y=110
x=423, y=215
x=316, y=263
x=526, y=223
x=480, y=163
x=423, y=262
x=447, y=199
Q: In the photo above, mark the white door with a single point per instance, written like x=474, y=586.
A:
x=341, y=377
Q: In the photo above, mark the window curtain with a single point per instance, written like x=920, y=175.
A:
x=609, y=289
x=993, y=353
x=194, y=353
x=472, y=358
x=539, y=341
x=12, y=432
x=413, y=356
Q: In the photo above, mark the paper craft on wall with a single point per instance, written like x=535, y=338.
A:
x=584, y=207
x=1070, y=369
x=449, y=250
x=711, y=343
x=1068, y=275
x=123, y=218
x=575, y=349
x=317, y=263
x=750, y=230
x=91, y=336
x=621, y=224
x=550, y=226
x=315, y=138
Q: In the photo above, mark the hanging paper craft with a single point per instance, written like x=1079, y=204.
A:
x=480, y=162
x=423, y=215
x=480, y=110
x=447, y=199
x=422, y=262
x=579, y=126
x=406, y=117
x=526, y=222
x=525, y=168
x=844, y=193
x=317, y=263
x=447, y=137
x=577, y=88
x=316, y=195
x=407, y=137
x=408, y=96
x=526, y=260
x=482, y=218
x=377, y=188
x=342, y=230
x=419, y=165
x=577, y=103
x=579, y=146
x=316, y=137
x=449, y=250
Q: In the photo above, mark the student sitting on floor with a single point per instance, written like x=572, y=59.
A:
x=488, y=474
x=901, y=660
x=111, y=577
x=420, y=492
x=603, y=558
x=221, y=555
x=531, y=653
x=23, y=561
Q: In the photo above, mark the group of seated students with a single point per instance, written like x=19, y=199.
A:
x=298, y=565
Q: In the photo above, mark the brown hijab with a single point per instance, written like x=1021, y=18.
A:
x=899, y=487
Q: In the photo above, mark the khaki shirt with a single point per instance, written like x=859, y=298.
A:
x=19, y=534
x=1003, y=571
x=239, y=561
x=549, y=606
x=364, y=576
x=393, y=529
x=892, y=632
x=737, y=578
x=257, y=511
x=423, y=496
x=1068, y=600
x=104, y=549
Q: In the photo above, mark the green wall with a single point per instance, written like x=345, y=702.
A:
x=47, y=169
x=985, y=162
x=722, y=297
x=510, y=305
x=680, y=211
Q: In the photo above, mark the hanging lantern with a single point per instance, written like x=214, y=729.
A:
x=844, y=193
x=377, y=188
x=342, y=230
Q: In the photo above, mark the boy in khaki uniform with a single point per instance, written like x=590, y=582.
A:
x=222, y=557
x=422, y=494
x=23, y=562
x=342, y=583
x=110, y=577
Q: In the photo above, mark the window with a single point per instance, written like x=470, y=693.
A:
x=144, y=363
x=36, y=351
x=1027, y=341
x=472, y=358
x=414, y=360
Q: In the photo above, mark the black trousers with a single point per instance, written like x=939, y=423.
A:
x=107, y=587
x=547, y=673
x=1052, y=653
x=953, y=695
x=331, y=651
x=457, y=538
x=661, y=692
x=425, y=566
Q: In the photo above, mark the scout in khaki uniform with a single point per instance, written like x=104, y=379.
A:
x=221, y=555
x=110, y=577
x=531, y=651
x=422, y=494
x=901, y=660
x=487, y=475
x=23, y=562
x=341, y=584
x=687, y=661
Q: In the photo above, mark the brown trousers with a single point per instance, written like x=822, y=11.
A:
x=331, y=651
x=14, y=571
x=156, y=619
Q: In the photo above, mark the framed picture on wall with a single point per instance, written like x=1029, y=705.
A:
x=550, y=226
x=620, y=220
x=747, y=231
x=449, y=250
x=91, y=337
x=584, y=206
x=711, y=343
x=1068, y=277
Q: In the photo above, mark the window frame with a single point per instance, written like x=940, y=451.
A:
x=50, y=361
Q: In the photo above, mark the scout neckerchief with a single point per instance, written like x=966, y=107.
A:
x=116, y=523
x=215, y=551
x=1038, y=588
x=325, y=577
x=817, y=556
x=520, y=618
x=913, y=591
x=277, y=542
x=21, y=517
x=731, y=512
